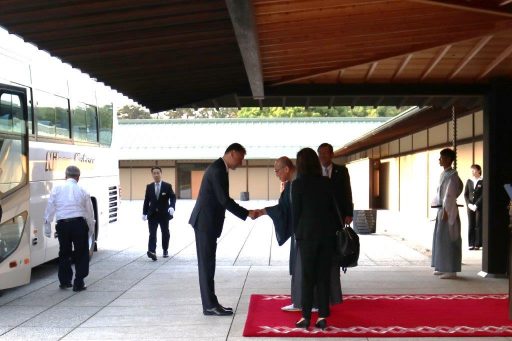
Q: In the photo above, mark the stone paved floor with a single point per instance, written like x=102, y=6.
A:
x=131, y=297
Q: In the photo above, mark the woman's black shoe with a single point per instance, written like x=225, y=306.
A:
x=322, y=324
x=303, y=323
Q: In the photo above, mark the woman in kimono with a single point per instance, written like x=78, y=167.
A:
x=447, y=242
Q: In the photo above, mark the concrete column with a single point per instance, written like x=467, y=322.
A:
x=497, y=171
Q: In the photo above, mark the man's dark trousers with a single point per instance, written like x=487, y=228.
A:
x=153, y=223
x=206, y=247
x=73, y=234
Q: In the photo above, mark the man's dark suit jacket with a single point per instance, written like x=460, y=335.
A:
x=342, y=191
x=314, y=213
x=158, y=208
x=473, y=195
x=213, y=201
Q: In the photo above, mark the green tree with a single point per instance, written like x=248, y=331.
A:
x=132, y=112
x=136, y=112
x=358, y=111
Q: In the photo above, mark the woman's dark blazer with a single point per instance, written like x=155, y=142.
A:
x=314, y=214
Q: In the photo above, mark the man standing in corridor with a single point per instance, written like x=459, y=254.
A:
x=340, y=182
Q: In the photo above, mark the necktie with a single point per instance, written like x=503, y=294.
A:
x=326, y=171
x=157, y=189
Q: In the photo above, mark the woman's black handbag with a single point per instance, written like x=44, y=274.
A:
x=346, y=253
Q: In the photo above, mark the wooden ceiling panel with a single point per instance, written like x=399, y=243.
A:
x=298, y=39
x=168, y=53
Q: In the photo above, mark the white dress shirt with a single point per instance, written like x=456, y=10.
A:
x=326, y=171
x=158, y=188
x=70, y=201
x=475, y=180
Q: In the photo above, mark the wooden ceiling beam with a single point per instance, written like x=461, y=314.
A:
x=402, y=66
x=465, y=6
x=435, y=61
x=371, y=69
x=244, y=24
x=340, y=75
x=365, y=61
x=480, y=44
x=502, y=56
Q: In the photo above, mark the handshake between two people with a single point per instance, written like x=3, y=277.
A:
x=253, y=214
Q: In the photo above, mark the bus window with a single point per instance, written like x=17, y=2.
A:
x=10, y=235
x=5, y=113
x=92, y=124
x=85, y=123
x=106, y=116
x=18, y=123
x=52, y=114
x=62, y=118
x=11, y=114
x=12, y=151
x=79, y=129
x=45, y=114
x=12, y=166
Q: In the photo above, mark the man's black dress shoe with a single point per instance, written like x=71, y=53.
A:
x=65, y=286
x=217, y=312
x=224, y=308
x=166, y=254
x=82, y=288
x=151, y=255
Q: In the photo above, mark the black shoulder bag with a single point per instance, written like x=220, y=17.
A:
x=347, y=249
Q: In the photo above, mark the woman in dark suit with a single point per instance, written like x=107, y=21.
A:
x=314, y=222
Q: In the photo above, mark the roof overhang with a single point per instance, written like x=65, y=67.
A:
x=411, y=121
x=167, y=54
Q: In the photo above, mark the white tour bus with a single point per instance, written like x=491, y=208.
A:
x=51, y=116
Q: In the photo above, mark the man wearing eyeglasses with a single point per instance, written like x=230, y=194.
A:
x=281, y=216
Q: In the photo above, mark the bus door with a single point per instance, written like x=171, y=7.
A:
x=15, y=267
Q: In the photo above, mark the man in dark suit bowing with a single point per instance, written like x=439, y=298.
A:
x=158, y=209
x=207, y=219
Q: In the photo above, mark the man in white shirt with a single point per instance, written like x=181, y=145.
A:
x=73, y=209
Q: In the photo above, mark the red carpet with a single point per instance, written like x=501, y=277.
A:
x=433, y=315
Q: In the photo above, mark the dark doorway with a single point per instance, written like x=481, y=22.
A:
x=184, y=178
